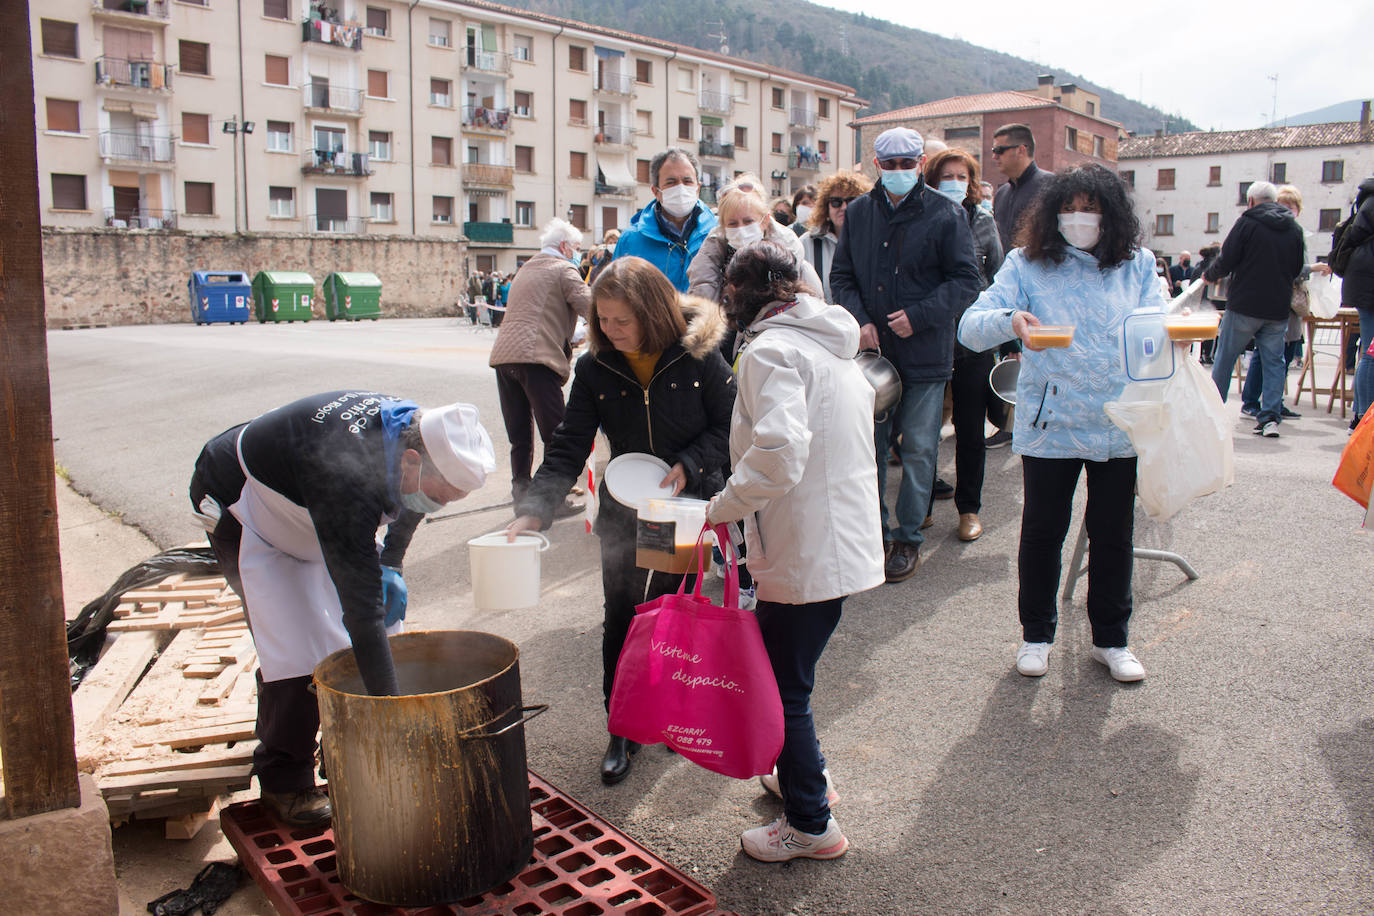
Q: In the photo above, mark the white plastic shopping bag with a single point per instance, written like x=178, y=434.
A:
x=1324, y=295
x=1181, y=435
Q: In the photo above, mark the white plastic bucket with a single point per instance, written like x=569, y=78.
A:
x=505, y=574
x=667, y=533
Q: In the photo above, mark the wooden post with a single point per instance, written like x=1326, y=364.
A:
x=36, y=738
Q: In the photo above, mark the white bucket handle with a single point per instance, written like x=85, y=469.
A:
x=544, y=542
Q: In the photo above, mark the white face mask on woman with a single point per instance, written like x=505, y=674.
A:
x=1081, y=230
x=744, y=236
x=803, y=213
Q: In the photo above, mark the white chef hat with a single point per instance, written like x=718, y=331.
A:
x=458, y=445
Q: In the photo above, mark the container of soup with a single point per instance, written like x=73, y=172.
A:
x=1200, y=326
x=1050, y=336
x=667, y=533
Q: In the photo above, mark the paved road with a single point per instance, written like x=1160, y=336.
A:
x=1236, y=778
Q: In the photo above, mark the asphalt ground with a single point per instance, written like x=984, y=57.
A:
x=1235, y=779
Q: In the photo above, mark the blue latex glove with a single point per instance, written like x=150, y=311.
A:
x=393, y=594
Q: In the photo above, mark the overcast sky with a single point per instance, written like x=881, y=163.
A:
x=1208, y=60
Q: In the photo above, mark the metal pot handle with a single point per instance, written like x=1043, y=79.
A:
x=538, y=709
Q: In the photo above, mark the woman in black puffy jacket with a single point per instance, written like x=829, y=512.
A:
x=654, y=382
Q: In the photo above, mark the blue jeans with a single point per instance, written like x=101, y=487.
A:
x=1254, y=378
x=1237, y=330
x=795, y=636
x=917, y=417
x=1364, y=370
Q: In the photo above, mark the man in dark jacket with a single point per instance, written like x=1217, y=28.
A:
x=1013, y=151
x=1357, y=289
x=1263, y=256
x=904, y=267
x=1181, y=273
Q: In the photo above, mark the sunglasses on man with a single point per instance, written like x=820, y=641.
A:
x=999, y=150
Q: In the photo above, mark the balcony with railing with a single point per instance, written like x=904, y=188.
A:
x=485, y=174
x=614, y=135
x=486, y=61
x=489, y=233
x=719, y=102
x=806, y=159
x=613, y=83
x=335, y=225
x=335, y=162
x=716, y=149
x=479, y=118
x=138, y=148
x=802, y=117
x=333, y=32
x=141, y=218
x=149, y=12
x=626, y=191
x=337, y=100
x=132, y=74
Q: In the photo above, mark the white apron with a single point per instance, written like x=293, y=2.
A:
x=292, y=603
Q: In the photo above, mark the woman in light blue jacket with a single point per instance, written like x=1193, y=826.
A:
x=1080, y=263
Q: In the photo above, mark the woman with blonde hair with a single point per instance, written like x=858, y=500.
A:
x=742, y=218
x=827, y=219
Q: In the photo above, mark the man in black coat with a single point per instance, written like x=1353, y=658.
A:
x=1263, y=256
x=1180, y=273
x=1013, y=150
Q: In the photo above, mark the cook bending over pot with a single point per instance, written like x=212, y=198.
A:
x=653, y=382
x=292, y=502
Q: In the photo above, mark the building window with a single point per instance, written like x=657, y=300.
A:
x=59, y=40
x=379, y=145
x=64, y=116
x=441, y=33
x=200, y=198
x=442, y=210
x=1213, y=222
x=1214, y=176
x=68, y=192
x=277, y=70
x=1166, y=180
x=1071, y=138
x=1278, y=172
x=822, y=108
x=1099, y=147
x=524, y=213
x=195, y=128
x=194, y=57
x=577, y=58
x=524, y=159
x=684, y=128
x=1327, y=220
x=823, y=147
x=378, y=21
x=524, y=101
x=378, y=85
x=382, y=209
x=281, y=203
x=1333, y=171
x=441, y=92
x=578, y=216
x=777, y=97
x=642, y=173
x=686, y=79
x=1090, y=107
x=1164, y=224
x=441, y=151
x=1244, y=200
x=741, y=138
x=644, y=123
x=276, y=9
x=1128, y=177
x=963, y=133
x=279, y=136
x=523, y=48
x=577, y=112
x=777, y=143
x=742, y=90
x=577, y=165
x=644, y=71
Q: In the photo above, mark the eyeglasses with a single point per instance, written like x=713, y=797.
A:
x=905, y=163
x=999, y=150
x=838, y=202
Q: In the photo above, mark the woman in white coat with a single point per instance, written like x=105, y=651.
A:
x=801, y=441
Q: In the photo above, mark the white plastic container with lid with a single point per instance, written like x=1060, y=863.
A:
x=505, y=574
x=667, y=533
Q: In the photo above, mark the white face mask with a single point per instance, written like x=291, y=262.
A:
x=803, y=213
x=679, y=200
x=420, y=501
x=954, y=190
x=744, y=236
x=1081, y=230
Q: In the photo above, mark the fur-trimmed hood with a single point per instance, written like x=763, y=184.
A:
x=706, y=326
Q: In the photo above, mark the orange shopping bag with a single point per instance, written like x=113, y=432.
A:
x=1355, y=473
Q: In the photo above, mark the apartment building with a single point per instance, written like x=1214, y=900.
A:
x=462, y=120
x=1066, y=120
x=1190, y=188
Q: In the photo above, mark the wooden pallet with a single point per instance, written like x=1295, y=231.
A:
x=178, y=603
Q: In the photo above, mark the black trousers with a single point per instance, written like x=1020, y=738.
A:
x=288, y=718
x=1049, y=485
x=531, y=395
x=969, y=389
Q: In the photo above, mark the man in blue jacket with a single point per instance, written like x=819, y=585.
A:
x=668, y=232
x=905, y=267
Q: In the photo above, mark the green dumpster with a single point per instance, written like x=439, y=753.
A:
x=283, y=295
x=352, y=296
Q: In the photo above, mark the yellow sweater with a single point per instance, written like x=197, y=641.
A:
x=642, y=364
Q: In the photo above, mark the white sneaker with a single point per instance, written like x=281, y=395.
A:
x=1033, y=659
x=780, y=841
x=770, y=783
x=1122, y=663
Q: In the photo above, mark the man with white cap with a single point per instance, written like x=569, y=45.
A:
x=904, y=267
x=293, y=501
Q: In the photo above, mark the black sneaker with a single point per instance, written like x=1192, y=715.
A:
x=997, y=439
x=942, y=489
x=1290, y=414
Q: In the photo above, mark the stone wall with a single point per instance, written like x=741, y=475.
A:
x=114, y=276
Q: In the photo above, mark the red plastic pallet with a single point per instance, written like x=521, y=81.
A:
x=582, y=866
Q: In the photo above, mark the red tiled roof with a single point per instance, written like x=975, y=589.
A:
x=960, y=104
x=1198, y=143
